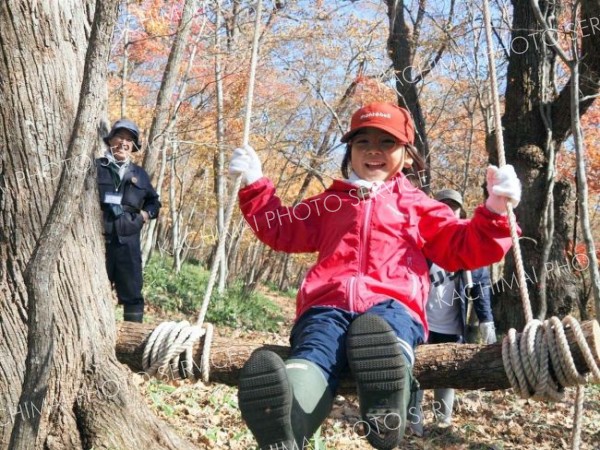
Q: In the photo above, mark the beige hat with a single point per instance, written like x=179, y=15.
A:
x=451, y=194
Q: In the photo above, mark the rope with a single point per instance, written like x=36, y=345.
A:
x=539, y=363
x=171, y=343
x=170, y=346
x=542, y=350
x=220, y=254
x=512, y=221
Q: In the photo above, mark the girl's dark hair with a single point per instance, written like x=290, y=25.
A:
x=413, y=173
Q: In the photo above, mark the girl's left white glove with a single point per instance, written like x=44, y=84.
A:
x=502, y=186
x=245, y=161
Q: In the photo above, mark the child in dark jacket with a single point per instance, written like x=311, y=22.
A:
x=362, y=304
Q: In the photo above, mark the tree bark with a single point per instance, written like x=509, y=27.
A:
x=460, y=366
x=125, y=60
x=57, y=335
x=403, y=42
x=219, y=157
x=156, y=137
x=530, y=75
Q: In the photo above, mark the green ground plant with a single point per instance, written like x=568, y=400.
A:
x=183, y=292
x=290, y=292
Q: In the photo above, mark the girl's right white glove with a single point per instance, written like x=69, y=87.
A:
x=245, y=161
x=502, y=186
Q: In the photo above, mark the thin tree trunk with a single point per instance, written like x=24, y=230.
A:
x=235, y=242
x=125, y=60
x=219, y=159
x=547, y=218
x=158, y=128
x=582, y=190
x=467, y=168
x=326, y=145
x=150, y=233
x=402, y=46
x=173, y=208
x=149, y=238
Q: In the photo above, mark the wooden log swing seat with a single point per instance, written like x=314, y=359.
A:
x=460, y=366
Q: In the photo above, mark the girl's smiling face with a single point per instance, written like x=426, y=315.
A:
x=377, y=155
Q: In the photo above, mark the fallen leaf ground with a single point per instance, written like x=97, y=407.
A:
x=209, y=417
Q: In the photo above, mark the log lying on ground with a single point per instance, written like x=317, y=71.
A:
x=460, y=366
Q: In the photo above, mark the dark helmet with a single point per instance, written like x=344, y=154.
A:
x=125, y=124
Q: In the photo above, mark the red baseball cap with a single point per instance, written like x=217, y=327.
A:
x=387, y=117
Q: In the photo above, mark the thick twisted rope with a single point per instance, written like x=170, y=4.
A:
x=542, y=348
x=170, y=346
x=171, y=339
x=522, y=284
x=539, y=363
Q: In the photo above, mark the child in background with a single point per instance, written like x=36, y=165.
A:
x=447, y=317
x=362, y=304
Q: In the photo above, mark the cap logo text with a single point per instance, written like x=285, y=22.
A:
x=376, y=114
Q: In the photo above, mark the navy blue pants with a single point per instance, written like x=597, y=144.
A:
x=124, y=269
x=440, y=338
x=319, y=335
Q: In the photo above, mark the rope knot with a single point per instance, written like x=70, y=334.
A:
x=539, y=363
x=171, y=345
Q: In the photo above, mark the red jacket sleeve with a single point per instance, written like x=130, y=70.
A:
x=456, y=244
x=283, y=228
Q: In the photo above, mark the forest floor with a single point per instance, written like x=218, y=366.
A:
x=209, y=416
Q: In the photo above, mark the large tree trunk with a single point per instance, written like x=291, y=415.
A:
x=402, y=45
x=461, y=366
x=536, y=118
x=61, y=386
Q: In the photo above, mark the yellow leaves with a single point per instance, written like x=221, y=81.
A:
x=157, y=26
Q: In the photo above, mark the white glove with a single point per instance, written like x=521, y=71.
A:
x=245, y=161
x=487, y=330
x=502, y=186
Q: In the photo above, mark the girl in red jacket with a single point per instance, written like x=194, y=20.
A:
x=362, y=304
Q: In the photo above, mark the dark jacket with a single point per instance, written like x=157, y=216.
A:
x=137, y=195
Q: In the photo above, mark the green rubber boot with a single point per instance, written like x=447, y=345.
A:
x=265, y=400
x=283, y=404
x=383, y=379
x=312, y=399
